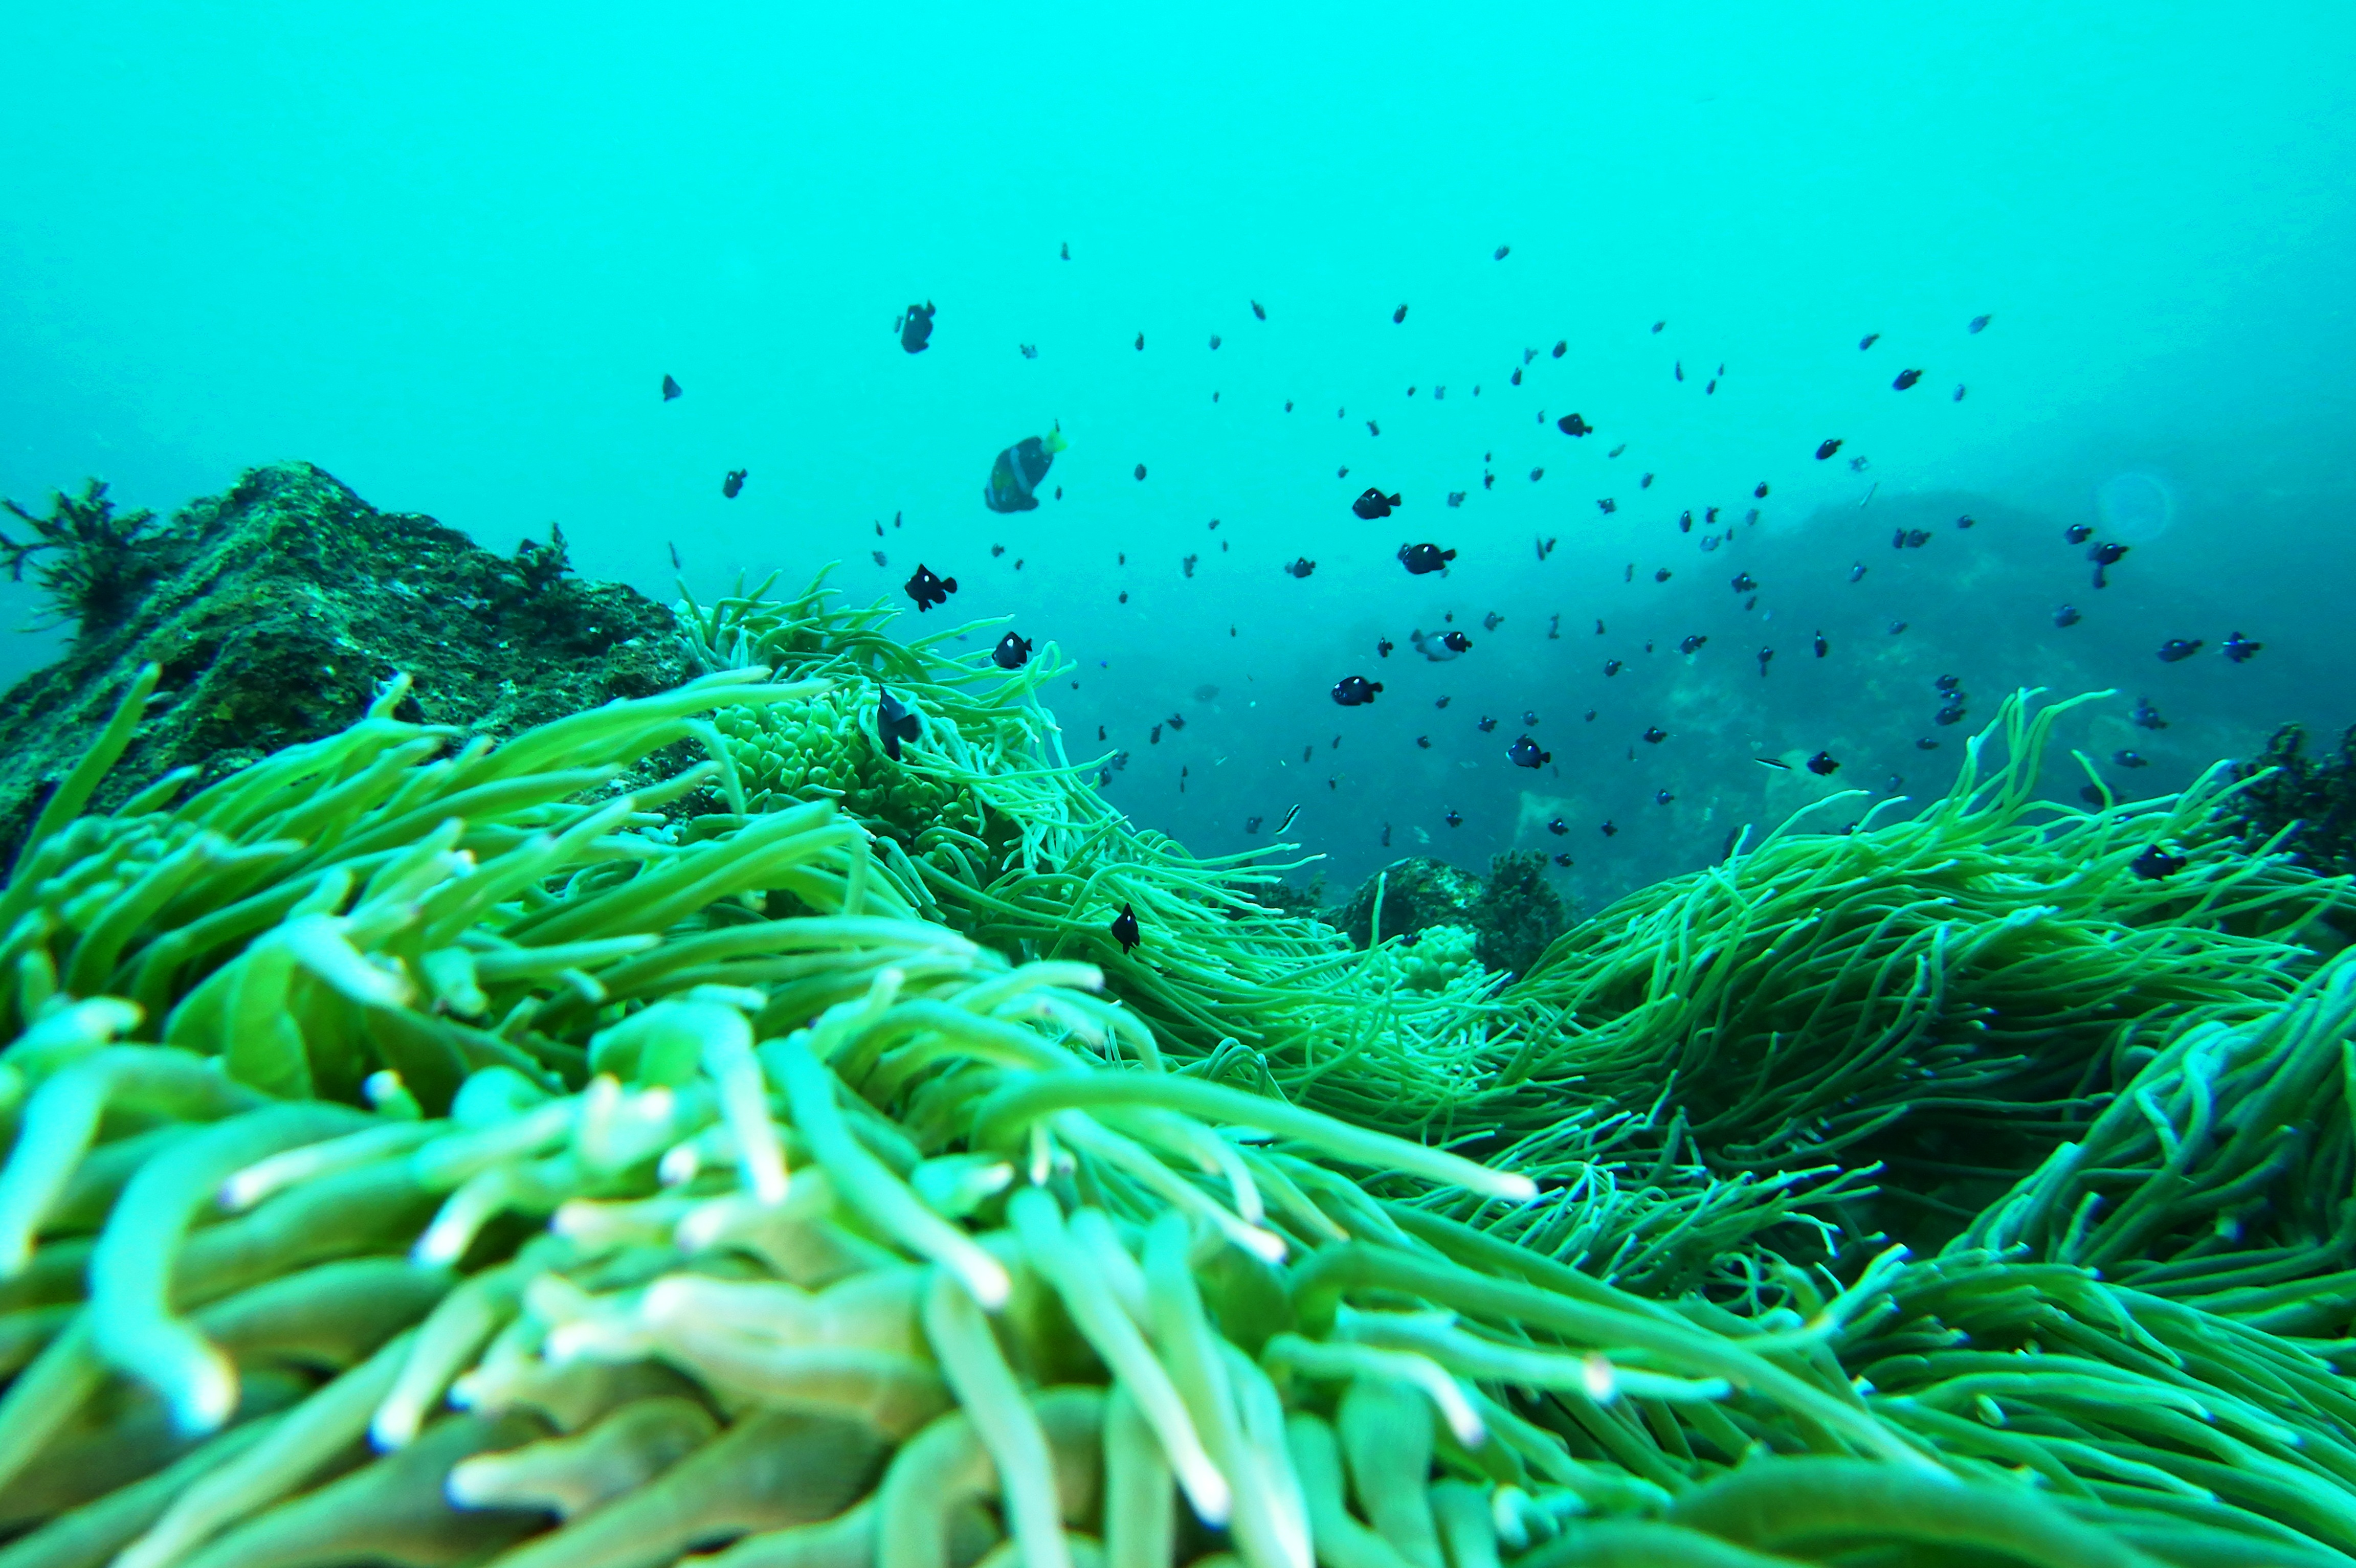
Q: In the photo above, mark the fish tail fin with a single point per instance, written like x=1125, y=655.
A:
x=1395, y=500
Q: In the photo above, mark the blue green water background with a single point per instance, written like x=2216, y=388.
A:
x=449, y=252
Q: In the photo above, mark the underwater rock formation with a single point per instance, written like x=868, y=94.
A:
x=2317, y=795
x=276, y=612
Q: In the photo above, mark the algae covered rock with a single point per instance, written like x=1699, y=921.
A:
x=278, y=609
x=2318, y=796
x=1512, y=914
x=1417, y=892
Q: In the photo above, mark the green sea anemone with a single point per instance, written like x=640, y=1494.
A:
x=416, y=1154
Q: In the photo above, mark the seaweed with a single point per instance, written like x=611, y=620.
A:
x=103, y=562
x=2310, y=800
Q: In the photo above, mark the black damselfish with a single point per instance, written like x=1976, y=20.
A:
x=734, y=483
x=916, y=327
x=1372, y=503
x=1356, y=690
x=928, y=590
x=1124, y=928
x=1421, y=559
x=1013, y=652
x=896, y=722
x=1905, y=379
x=1524, y=754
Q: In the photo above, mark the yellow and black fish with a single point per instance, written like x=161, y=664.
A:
x=1015, y=476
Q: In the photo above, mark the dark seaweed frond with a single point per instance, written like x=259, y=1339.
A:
x=101, y=566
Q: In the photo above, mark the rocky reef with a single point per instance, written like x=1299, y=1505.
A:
x=277, y=610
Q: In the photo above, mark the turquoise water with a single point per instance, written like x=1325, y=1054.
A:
x=449, y=253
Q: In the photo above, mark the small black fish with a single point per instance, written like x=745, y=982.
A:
x=1657, y=325
x=2107, y=554
x=2154, y=863
x=1905, y=379
x=1356, y=690
x=1745, y=584
x=1176, y=721
x=1301, y=566
x=1662, y=797
x=1607, y=830
x=1420, y=559
x=1959, y=392
x=879, y=557
x=1124, y=930
x=1537, y=474
x=1966, y=521
x=1685, y=521
x=1156, y=738
x=1443, y=702
x=1545, y=546
x=1258, y=311
x=1823, y=765
x=2078, y=533
x=1383, y=646
x=1503, y=252
x=1530, y=715
x=1561, y=344
x=1372, y=503
x=1613, y=666
x=1486, y=724
x=1571, y=424
x=1926, y=744
x=1028, y=350
x=1896, y=628
x=928, y=590
x=1662, y=575
x=1454, y=818
x=1654, y=735
x=1067, y=251
x=1399, y=315
x=1140, y=470
x=1557, y=827
x=1898, y=538
x=1491, y=620
x=731, y=485
x=1562, y=858
x=1825, y=448
x=1516, y=377
x=1764, y=655
x=1978, y=324
x=670, y=389
x=1644, y=482
x=1947, y=683
x=2238, y=647
x=916, y=327
x=1823, y=647
x=1456, y=498
x=2130, y=759
x=2068, y=616
x=896, y=722
x=1917, y=538
x=1012, y=653
x=1374, y=429
x=1607, y=505
x=2146, y=717
x=1692, y=644
x=1524, y=754
x=1711, y=390
x=1951, y=714
x=2177, y=648
x=1856, y=573
x=1868, y=341
x=1251, y=824
x=1680, y=368
x=1214, y=341
x=1456, y=641
x=1758, y=491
